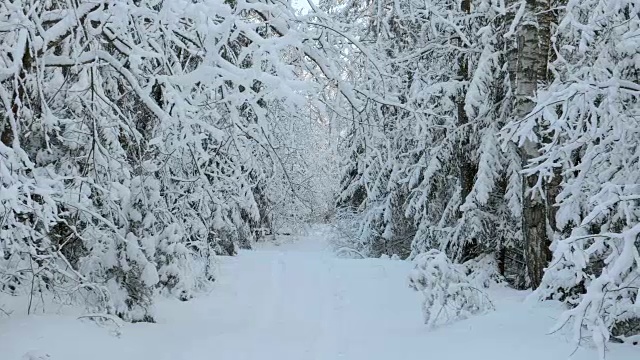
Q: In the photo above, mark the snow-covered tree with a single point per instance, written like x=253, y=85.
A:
x=423, y=163
x=135, y=141
x=588, y=143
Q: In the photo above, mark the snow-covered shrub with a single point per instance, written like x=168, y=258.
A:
x=449, y=293
x=345, y=228
x=483, y=271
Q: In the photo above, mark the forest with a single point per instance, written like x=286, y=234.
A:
x=483, y=142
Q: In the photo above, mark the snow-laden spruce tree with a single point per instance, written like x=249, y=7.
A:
x=422, y=163
x=380, y=135
x=133, y=142
x=465, y=194
x=589, y=142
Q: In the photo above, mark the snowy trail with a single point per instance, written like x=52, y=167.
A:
x=299, y=302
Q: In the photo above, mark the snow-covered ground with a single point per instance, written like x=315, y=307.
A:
x=297, y=301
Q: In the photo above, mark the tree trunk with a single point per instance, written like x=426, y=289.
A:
x=531, y=63
x=502, y=261
x=467, y=169
x=546, y=16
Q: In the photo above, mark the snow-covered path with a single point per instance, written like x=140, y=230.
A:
x=304, y=305
x=299, y=302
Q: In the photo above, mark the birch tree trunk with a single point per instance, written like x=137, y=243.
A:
x=532, y=57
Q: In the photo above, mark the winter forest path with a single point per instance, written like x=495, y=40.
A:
x=297, y=301
x=301, y=302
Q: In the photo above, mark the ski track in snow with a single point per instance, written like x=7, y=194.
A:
x=297, y=301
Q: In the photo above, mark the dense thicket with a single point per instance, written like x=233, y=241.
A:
x=506, y=129
x=141, y=138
